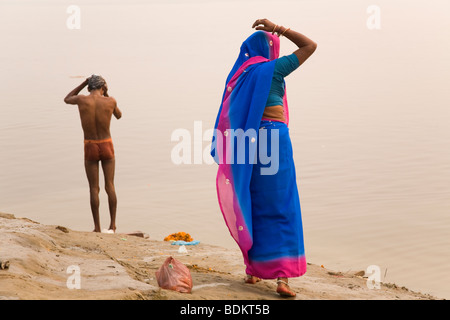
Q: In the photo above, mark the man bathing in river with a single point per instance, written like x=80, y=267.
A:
x=96, y=110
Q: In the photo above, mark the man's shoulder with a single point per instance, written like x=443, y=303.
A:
x=111, y=99
x=82, y=97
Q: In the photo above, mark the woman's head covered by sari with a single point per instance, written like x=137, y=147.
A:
x=259, y=48
x=259, y=44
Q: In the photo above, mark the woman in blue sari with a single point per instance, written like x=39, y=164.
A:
x=256, y=180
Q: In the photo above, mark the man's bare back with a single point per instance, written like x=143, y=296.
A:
x=96, y=110
x=95, y=114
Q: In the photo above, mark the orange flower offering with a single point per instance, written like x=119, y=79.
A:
x=179, y=236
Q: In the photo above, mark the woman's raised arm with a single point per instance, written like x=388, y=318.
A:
x=306, y=46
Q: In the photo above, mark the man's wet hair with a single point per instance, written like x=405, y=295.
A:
x=96, y=82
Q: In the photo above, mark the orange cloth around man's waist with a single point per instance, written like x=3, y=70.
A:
x=96, y=150
x=97, y=141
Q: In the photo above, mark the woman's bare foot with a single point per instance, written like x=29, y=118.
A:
x=252, y=279
x=283, y=288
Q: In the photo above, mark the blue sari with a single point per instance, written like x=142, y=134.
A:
x=260, y=205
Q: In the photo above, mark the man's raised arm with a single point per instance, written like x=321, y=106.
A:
x=72, y=97
x=117, y=113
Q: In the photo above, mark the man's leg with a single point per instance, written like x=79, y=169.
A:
x=108, y=171
x=94, y=189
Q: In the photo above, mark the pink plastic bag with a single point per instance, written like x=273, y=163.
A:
x=174, y=275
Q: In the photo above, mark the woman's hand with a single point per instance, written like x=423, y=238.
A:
x=306, y=46
x=265, y=25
